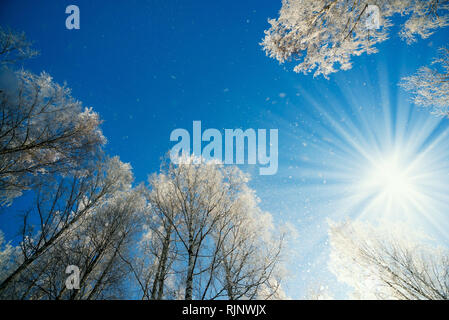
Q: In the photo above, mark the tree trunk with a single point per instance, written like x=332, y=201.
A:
x=190, y=267
x=158, y=284
x=163, y=271
x=229, y=287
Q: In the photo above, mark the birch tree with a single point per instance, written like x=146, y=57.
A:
x=152, y=266
x=385, y=263
x=201, y=214
x=249, y=251
x=200, y=194
x=158, y=245
x=325, y=34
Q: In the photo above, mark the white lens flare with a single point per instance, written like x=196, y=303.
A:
x=367, y=153
x=389, y=178
x=391, y=182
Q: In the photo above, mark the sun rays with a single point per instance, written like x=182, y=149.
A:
x=369, y=153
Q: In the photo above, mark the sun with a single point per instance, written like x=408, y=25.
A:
x=390, y=178
x=361, y=150
x=392, y=185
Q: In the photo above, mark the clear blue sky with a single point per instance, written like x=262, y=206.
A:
x=149, y=67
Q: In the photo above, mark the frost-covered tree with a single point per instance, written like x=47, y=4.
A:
x=98, y=245
x=60, y=206
x=430, y=86
x=206, y=237
x=158, y=246
x=324, y=34
x=43, y=129
x=386, y=263
x=6, y=255
x=249, y=253
x=152, y=266
x=201, y=194
x=14, y=47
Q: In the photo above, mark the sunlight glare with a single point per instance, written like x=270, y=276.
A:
x=390, y=178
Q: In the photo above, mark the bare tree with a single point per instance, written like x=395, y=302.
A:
x=430, y=87
x=95, y=244
x=198, y=195
x=325, y=34
x=152, y=265
x=385, y=263
x=159, y=240
x=249, y=253
x=203, y=219
x=108, y=234
x=60, y=207
x=43, y=129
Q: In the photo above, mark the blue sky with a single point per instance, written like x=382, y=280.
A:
x=149, y=67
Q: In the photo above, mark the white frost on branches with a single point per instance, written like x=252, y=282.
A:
x=325, y=34
x=430, y=87
x=206, y=237
x=43, y=130
x=6, y=253
x=14, y=47
x=387, y=263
